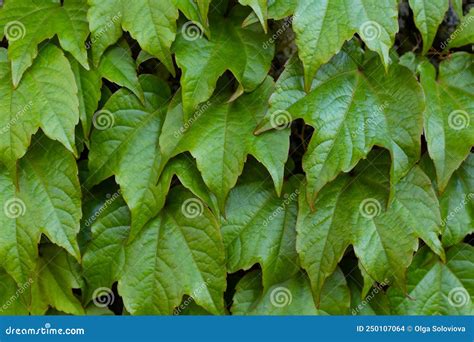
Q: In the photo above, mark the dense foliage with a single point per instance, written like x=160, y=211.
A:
x=236, y=157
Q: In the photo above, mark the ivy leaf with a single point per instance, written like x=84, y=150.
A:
x=259, y=227
x=125, y=144
x=435, y=288
x=8, y=290
x=48, y=177
x=203, y=61
x=260, y=9
x=105, y=254
x=48, y=201
x=449, y=114
x=292, y=297
x=46, y=98
x=321, y=28
x=428, y=16
x=352, y=106
x=196, y=11
x=350, y=211
x=56, y=275
x=466, y=32
x=88, y=84
x=180, y=252
x=26, y=24
x=220, y=136
x=456, y=202
x=118, y=66
x=152, y=23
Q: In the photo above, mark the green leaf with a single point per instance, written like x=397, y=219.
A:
x=259, y=227
x=456, y=202
x=260, y=9
x=152, y=23
x=449, y=114
x=428, y=16
x=118, y=66
x=48, y=201
x=27, y=23
x=56, y=275
x=220, y=136
x=353, y=106
x=88, y=84
x=321, y=28
x=180, y=252
x=125, y=144
x=203, y=61
x=435, y=288
x=350, y=210
x=105, y=254
x=292, y=297
x=46, y=98
x=13, y=298
x=464, y=34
